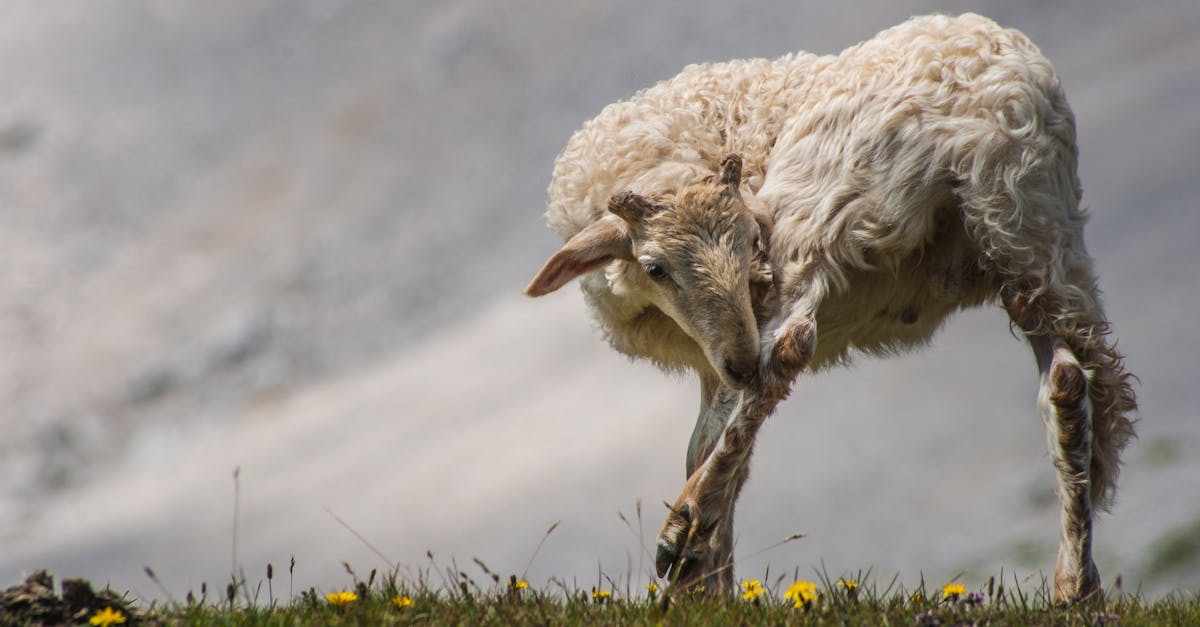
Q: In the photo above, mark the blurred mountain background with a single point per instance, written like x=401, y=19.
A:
x=291, y=237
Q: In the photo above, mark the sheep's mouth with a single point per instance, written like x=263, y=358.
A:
x=737, y=374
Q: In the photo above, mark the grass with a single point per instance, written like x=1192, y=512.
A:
x=460, y=599
x=476, y=595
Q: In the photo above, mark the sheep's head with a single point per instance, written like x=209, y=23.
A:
x=697, y=254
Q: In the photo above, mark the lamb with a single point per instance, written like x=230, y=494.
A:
x=755, y=219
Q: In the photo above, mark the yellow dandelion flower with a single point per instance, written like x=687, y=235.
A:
x=849, y=584
x=402, y=601
x=107, y=616
x=750, y=595
x=801, y=593
x=341, y=598
x=601, y=595
x=519, y=585
x=752, y=589
x=652, y=588
x=953, y=589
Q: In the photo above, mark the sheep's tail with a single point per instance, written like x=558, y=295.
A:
x=1113, y=401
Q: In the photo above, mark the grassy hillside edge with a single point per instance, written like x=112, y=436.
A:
x=458, y=598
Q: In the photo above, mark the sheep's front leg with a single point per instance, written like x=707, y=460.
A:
x=717, y=403
x=695, y=544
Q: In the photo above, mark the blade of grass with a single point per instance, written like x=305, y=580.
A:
x=360, y=537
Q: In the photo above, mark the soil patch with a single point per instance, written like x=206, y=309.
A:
x=34, y=602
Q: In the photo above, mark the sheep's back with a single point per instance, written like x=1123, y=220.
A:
x=673, y=133
x=806, y=125
x=888, y=128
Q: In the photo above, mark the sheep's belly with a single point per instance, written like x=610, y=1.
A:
x=884, y=313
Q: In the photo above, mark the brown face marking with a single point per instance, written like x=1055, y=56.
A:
x=711, y=273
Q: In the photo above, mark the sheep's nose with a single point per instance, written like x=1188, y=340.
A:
x=741, y=374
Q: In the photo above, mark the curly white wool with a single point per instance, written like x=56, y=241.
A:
x=928, y=169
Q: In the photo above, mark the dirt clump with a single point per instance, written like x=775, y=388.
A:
x=34, y=602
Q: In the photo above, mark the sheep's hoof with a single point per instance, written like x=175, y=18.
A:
x=1083, y=587
x=685, y=548
x=793, y=350
x=672, y=556
x=684, y=557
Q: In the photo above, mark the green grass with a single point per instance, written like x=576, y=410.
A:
x=461, y=600
x=476, y=595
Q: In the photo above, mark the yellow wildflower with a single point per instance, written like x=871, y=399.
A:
x=402, y=601
x=652, y=588
x=953, y=589
x=801, y=593
x=601, y=595
x=519, y=585
x=752, y=589
x=849, y=584
x=107, y=616
x=341, y=598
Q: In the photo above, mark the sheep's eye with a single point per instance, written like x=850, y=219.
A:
x=656, y=272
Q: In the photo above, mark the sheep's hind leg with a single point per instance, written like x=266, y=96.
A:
x=1063, y=402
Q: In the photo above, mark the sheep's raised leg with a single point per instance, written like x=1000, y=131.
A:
x=695, y=544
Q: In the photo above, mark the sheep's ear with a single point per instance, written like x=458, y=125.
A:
x=631, y=207
x=598, y=244
x=731, y=171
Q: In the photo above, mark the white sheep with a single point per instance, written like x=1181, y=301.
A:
x=752, y=219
